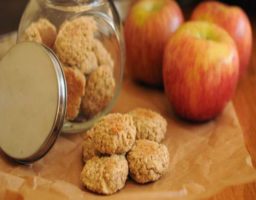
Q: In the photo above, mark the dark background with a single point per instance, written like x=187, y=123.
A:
x=11, y=11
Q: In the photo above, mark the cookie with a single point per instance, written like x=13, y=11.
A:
x=74, y=41
x=75, y=90
x=149, y=124
x=42, y=31
x=90, y=62
x=89, y=150
x=99, y=91
x=105, y=175
x=114, y=134
x=147, y=161
x=103, y=57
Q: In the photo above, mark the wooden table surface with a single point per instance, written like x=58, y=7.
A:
x=245, y=105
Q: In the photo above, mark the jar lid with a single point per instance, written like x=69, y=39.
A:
x=32, y=101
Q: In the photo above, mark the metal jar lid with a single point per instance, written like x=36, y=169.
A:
x=32, y=101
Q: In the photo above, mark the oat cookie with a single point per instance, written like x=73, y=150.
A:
x=32, y=34
x=147, y=161
x=103, y=57
x=149, y=124
x=114, y=134
x=42, y=31
x=74, y=41
x=89, y=150
x=75, y=87
x=99, y=91
x=90, y=62
x=105, y=175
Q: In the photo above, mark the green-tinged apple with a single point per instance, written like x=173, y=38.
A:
x=234, y=20
x=148, y=26
x=200, y=70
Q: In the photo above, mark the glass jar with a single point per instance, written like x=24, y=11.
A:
x=57, y=16
x=64, y=73
x=123, y=7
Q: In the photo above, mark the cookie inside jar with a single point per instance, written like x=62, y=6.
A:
x=87, y=50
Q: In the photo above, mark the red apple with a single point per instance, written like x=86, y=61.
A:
x=234, y=20
x=200, y=70
x=148, y=26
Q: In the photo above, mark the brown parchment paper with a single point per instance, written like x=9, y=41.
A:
x=204, y=158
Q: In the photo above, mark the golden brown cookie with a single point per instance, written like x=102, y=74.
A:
x=105, y=175
x=90, y=62
x=114, y=134
x=149, y=124
x=103, y=57
x=89, y=150
x=147, y=161
x=41, y=31
x=99, y=91
x=75, y=88
x=74, y=41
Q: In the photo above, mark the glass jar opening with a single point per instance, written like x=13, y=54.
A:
x=75, y=2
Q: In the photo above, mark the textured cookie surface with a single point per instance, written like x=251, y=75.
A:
x=105, y=175
x=41, y=31
x=102, y=55
x=89, y=150
x=99, y=91
x=75, y=87
x=114, y=134
x=149, y=124
x=148, y=161
x=74, y=41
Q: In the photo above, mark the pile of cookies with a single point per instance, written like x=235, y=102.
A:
x=88, y=67
x=122, y=144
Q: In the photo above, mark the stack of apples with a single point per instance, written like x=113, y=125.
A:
x=198, y=62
